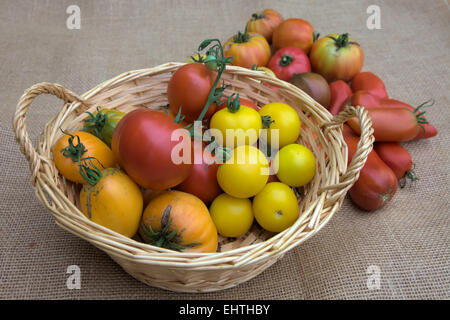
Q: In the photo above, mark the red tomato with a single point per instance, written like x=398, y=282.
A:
x=336, y=57
x=293, y=33
x=202, y=181
x=377, y=183
x=189, y=88
x=370, y=82
x=391, y=124
x=287, y=61
x=264, y=23
x=395, y=156
x=339, y=93
x=143, y=145
x=247, y=50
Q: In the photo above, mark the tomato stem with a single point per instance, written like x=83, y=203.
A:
x=216, y=93
x=258, y=15
x=95, y=123
x=164, y=238
x=90, y=172
x=286, y=60
x=73, y=151
x=233, y=105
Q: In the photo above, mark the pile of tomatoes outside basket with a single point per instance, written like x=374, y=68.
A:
x=161, y=178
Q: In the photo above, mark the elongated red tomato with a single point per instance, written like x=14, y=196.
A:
x=377, y=183
x=395, y=156
x=142, y=142
x=339, y=93
x=428, y=130
x=366, y=99
x=189, y=88
x=391, y=124
x=370, y=82
x=202, y=181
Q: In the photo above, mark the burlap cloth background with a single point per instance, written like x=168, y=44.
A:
x=408, y=239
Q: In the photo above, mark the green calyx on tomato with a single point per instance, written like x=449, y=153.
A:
x=258, y=16
x=286, y=60
x=90, y=172
x=267, y=121
x=73, y=151
x=420, y=116
x=342, y=41
x=163, y=238
x=241, y=37
x=233, y=105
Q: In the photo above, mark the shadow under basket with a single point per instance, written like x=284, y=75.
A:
x=238, y=260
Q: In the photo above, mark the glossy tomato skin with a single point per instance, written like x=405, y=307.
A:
x=253, y=51
x=232, y=216
x=143, y=146
x=189, y=87
x=94, y=148
x=293, y=33
x=264, y=23
x=202, y=181
x=370, y=82
x=339, y=93
x=377, y=183
x=289, y=61
x=276, y=207
x=336, y=62
x=390, y=124
x=395, y=156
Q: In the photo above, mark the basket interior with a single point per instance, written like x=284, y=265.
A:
x=147, y=89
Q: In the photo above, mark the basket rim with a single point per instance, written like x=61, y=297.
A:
x=200, y=259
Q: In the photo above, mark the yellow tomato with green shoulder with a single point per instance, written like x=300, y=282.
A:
x=237, y=124
x=113, y=201
x=282, y=118
x=245, y=173
x=232, y=216
x=276, y=207
x=296, y=165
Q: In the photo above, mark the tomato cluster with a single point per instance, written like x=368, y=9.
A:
x=329, y=70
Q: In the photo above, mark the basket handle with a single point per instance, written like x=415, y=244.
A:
x=365, y=143
x=20, y=125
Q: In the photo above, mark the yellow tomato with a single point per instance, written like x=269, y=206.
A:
x=232, y=216
x=276, y=207
x=237, y=127
x=70, y=147
x=114, y=202
x=245, y=173
x=296, y=165
x=199, y=57
x=283, y=118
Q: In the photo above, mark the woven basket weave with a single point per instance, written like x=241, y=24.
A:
x=238, y=260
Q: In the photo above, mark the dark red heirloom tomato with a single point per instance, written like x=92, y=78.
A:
x=202, y=181
x=287, y=61
x=142, y=143
x=189, y=88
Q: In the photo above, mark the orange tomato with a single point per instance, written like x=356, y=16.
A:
x=264, y=23
x=293, y=33
x=71, y=147
x=179, y=221
x=248, y=49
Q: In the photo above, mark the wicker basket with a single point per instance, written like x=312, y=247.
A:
x=237, y=261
